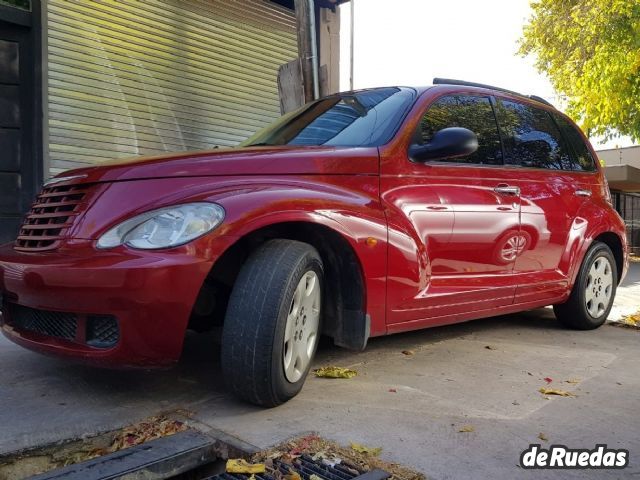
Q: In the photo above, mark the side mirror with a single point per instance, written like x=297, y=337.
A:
x=447, y=143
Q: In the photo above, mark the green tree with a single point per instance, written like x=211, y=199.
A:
x=590, y=49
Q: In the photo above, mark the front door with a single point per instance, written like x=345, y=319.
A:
x=20, y=115
x=463, y=216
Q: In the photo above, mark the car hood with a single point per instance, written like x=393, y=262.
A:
x=281, y=160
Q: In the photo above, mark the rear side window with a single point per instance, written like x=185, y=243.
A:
x=583, y=160
x=531, y=138
x=472, y=112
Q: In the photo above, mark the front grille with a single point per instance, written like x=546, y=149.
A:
x=306, y=467
x=102, y=331
x=50, y=216
x=53, y=324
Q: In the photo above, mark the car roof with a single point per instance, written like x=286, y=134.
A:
x=452, y=86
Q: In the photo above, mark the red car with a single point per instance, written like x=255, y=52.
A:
x=362, y=214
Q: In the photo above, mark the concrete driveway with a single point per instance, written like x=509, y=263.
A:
x=451, y=380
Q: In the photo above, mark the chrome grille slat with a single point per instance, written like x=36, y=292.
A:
x=50, y=217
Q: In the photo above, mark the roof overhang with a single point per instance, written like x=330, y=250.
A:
x=623, y=177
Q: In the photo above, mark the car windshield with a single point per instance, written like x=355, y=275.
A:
x=367, y=118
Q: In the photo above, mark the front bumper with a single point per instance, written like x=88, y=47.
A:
x=150, y=294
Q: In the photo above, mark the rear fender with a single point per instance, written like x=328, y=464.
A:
x=594, y=218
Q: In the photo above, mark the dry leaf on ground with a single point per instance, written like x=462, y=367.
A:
x=151, y=429
x=490, y=347
x=408, y=353
x=633, y=320
x=239, y=465
x=554, y=391
x=543, y=437
x=366, y=450
x=335, y=372
x=467, y=429
x=572, y=381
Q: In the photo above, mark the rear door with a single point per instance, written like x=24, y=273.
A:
x=462, y=213
x=552, y=190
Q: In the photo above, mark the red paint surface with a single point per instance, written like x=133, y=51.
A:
x=437, y=228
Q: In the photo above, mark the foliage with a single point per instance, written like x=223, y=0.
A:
x=590, y=49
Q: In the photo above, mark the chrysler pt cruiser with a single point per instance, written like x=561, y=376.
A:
x=361, y=214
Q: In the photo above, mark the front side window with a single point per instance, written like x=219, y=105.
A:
x=368, y=118
x=471, y=112
x=531, y=138
x=583, y=160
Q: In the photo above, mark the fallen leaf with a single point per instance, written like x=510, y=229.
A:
x=572, y=381
x=543, y=437
x=393, y=390
x=335, y=372
x=553, y=391
x=490, y=347
x=366, y=450
x=292, y=475
x=408, y=353
x=239, y=465
x=548, y=379
x=467, y=429
x=633, y=320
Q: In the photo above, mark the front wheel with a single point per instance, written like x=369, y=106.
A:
x=272, y=325
x=593, y=292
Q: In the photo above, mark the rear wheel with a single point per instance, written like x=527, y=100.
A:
x=272, y=325
x=593, y=292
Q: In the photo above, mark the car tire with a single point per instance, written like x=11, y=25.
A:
x=272, y=324
x=593, y=292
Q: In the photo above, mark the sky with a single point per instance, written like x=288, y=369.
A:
x=409, y=42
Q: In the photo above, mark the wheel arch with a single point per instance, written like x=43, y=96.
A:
x=613, y=241
x=344, y=299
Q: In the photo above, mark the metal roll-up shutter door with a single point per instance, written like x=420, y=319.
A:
x=131, y=77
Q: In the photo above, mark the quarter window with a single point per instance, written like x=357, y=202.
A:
x=472, y=112
x=531, y=138
x=583, y=160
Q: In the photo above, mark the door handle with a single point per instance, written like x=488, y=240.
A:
x=507, y=190
x=583, y=193
x=436, y=207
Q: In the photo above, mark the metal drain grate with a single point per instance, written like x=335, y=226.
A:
x=305, y=466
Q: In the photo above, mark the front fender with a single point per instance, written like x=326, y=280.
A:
x=350, y=209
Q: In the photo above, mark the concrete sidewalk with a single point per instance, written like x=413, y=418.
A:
x=452, y=380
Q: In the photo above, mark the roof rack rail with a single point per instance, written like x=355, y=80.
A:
x=450, y=81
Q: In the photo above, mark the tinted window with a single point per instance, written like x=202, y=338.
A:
x=359, y=119
x=582, y=157
x=471, y=112
x=531, y=138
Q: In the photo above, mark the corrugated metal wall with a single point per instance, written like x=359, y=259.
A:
x=132, y=77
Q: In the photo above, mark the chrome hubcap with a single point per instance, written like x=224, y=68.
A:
x=599, y=287
x=513, y=247
x=301, y=330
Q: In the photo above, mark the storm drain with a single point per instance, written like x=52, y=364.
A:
x=308, y=469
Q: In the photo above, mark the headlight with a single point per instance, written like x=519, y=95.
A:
x=165, y=227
